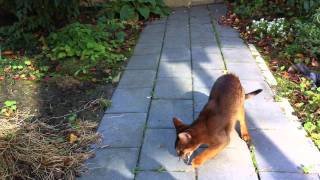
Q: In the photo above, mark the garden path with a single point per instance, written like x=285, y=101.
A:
x=173, y=67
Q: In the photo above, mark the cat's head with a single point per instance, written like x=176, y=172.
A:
x=185, y=144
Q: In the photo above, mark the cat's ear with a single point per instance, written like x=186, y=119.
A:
x=184, y=137
x=178, y=124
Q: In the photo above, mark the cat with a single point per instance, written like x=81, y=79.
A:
x=215, y=122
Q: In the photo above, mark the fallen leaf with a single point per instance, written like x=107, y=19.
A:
x=72, y=138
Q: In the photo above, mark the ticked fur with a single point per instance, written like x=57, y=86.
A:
x=215, y=122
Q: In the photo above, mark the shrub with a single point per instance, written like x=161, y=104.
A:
x=77, y=48
x=41, y=13
x=134, y=9
x=308, y=37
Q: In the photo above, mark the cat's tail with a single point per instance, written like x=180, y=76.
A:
x=253, y=93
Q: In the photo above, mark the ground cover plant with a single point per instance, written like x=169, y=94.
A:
x=287, y=34
x=59, y=64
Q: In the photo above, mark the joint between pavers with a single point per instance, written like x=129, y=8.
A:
x=152, y=94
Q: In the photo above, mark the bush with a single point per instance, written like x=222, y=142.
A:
x=134, y=9
x=41, y=13
x=79, y=48
x=308, y=37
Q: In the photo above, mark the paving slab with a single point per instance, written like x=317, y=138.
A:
x=205, y=78
x=158, y=152
x=226, y=31
x=162, y=112
x=251, y=85
x=207, y=61
x=200, y=97
x=137, y=79
x=147, y=175
x=238, y=56
x=130, y=100
x=284, y=151
x=155, y=28
x=217, y=10
x=114, y=163
x=116, y=132
x=227, y=42
x=176, y=54
x=144, y=62
x=210, y=49
x=147, y=48
x=287, y=176
x=267, y=116
x=150, y=38
x=229, y=164
x=173, y=88
x=175, y=69
x=245, y=71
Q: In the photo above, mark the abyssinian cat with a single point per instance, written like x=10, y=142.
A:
x=215, y=122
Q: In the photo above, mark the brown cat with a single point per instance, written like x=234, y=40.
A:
x=215, y=122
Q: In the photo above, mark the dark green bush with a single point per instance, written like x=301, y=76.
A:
x=134, y=9
x=41, y=13
x=308, y=37
x=77, y=48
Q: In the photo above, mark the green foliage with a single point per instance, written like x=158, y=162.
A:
x=21, y=69
x=309, y=109
x=308, y=37
x=33, y=14
x=134, y=9
x=16, y=37
x=8, y=107
x=304, y=6
x=78, y=48
x=248, y=8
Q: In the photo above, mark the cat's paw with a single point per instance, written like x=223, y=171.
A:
x=246, y=137
x=196, y=162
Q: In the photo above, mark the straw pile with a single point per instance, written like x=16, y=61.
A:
x=40, y=151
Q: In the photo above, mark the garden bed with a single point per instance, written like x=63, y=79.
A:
x=287, y=36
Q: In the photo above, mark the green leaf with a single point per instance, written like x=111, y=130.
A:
x=61, y=55
x=121, y=36
x=10, y=103
x=27, y=62
x=127, y=12
x=144, y=11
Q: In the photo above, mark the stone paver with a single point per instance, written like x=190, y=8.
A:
x=147, y=175
x=137, y=79
x=158, y=151
x=149, y=61
x=176, y=54
x=174, y=69
x=287, y=176
x=162, y=112
x=229, y=164
x=115, y=130
x=173, y=88
x=174, y=65
x=113, y=163
x=130, y=100
x=284, y=151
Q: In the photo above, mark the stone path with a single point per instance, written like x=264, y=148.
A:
x=175, y=63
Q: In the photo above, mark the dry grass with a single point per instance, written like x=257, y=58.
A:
x=40, y=151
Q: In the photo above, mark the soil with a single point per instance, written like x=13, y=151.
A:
x=58, y=97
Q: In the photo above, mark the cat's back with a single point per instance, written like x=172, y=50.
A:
x=227, y=91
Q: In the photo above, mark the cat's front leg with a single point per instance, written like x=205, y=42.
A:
x=210, y=152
